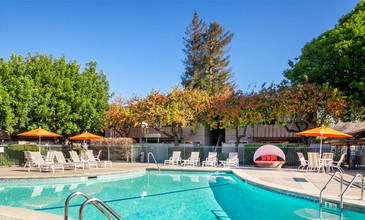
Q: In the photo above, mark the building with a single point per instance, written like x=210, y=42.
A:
x=263, y=134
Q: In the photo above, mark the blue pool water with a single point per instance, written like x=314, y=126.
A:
x=168, y=195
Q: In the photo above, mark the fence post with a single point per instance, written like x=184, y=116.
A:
x=243, y=152
x=108, y=153
x=158, y=154
x=23, y=156
x=184, y=152
x=132, y=153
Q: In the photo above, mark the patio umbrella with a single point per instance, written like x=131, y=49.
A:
x=39, y=132
x=323, y=131
x=86, y=136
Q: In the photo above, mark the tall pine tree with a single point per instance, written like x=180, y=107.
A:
x=217, y=75
x=207, y=59
x=194, y=64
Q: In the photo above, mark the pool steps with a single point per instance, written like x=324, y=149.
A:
x=153, y=157
x=94, y=202
x=341, y=194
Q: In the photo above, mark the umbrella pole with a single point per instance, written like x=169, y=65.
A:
x=39, y=144
x=320, y=148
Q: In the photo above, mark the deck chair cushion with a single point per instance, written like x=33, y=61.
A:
x=264, y=157
x=274, y=158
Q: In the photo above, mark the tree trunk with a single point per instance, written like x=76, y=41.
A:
x=176, y=130
x=306, y=140
x=176, y=140
x=219, y=138
x=238, y=137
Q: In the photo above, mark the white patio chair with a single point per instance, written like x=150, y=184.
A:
x=175, y=159
x=193, y=160
x=29, y=160
x=313, y=162
x=37, y=158
x=211, y=160
x=97, y=158
x=91, y=158
x=337, y=164
x=327, y=160
x=302, y=160
x=75, y=158
x=232, y=160
x=68, y=164
x=50, y=157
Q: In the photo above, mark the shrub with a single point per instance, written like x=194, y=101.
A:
x=5, y=162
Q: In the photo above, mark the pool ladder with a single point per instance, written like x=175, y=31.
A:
x=94, y=202
x=342, y=194
x=153, y=157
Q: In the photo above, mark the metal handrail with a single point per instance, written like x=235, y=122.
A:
x=153, y=157
x=320, y=194
x=93, y=200
x=86, y=197
x=352, y=181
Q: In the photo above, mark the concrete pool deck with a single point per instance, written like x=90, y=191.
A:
x=287, y=180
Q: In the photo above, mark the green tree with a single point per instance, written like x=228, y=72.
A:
x=336, y=57
x=194, y=63
x=122, y=116
x=217, y=75
x=207, y=57
x=235, y=110
x=301, y=107
x=44, y=91
x=176, y=110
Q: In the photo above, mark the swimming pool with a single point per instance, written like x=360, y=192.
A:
x=168, y=195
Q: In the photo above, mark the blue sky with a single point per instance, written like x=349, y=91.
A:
x=138, y=43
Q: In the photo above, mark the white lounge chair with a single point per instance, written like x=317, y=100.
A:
x=38, y=160
x=29, y=159
x=97, y=158
x=327, y=160
x=75, y=158
x=211, y=160
x=313, y=162
x=68, y=164
x=337, y=164
x=91, y=158
x=232, y=160
x=175, y=159
x=303, y=162
x=50, y=157
x=193, y=160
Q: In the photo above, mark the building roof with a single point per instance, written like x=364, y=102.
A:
x=356, y=129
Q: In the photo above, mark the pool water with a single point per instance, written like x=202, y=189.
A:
x=168, y=195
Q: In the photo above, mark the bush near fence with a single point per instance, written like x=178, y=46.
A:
x=5, y=162
x=15, y=153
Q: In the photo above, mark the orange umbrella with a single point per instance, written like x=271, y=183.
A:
x=323, y=132
x=86, y=136
x=39, y=132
